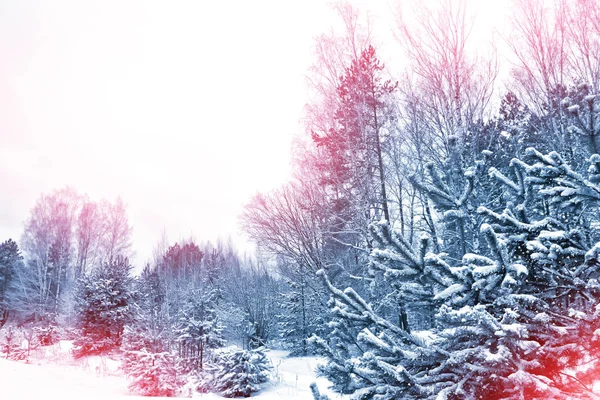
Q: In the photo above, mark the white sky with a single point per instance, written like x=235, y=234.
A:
x=183, y=108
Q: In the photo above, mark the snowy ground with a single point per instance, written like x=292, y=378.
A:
x=58, y=377
x=292, y=379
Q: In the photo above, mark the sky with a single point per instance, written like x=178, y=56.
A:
x=184, y=109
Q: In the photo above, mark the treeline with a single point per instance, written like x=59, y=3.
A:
x=452, y=236
x=71, y=279
x=64, y=238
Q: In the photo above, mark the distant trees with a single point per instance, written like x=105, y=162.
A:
x=65, y=236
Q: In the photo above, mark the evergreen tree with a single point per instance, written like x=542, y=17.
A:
x=198, y=329
x=302, y=315
x=241, y=372
x=103, y=307
x=10, y=261
x=152, y=373
x=514, y=320
x=148, y=361
x=351, y=165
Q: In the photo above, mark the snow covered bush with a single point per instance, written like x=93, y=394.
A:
x=516, y=316
x=148, y=362
x=241, y=372
x=149, y=365
x=152, y=373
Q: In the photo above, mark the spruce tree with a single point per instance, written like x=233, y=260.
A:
x=148, y=361
x=198, y=329
x=302, y=315
x=241, y=372
x=103, y=307
x=10, y=261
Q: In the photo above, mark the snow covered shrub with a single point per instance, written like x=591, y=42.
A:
x=148, y=362
x=46, y=335
x=151, y=373
x=241, y=372
x=11, y=344
x=203, y=381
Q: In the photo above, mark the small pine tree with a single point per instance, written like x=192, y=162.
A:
x=198, y=330
x=103, y=307
x=241, y=372
x=148, y=361
x=302, y=316
x=151, y=369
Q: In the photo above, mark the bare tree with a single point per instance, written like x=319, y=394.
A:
x=455, y=86
x=89, y=231
x=287, y=222
x=557, y=74
x=48, y=244
x=539, y=42
x=333, y=54
x=583, y=29
x=116, y=240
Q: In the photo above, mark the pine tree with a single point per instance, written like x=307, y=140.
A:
x=148, y=361
x=198, y=329
x=10, y=261
x=517, y=319
x=103, y=307
x=241, y=372
x=302, y=315
x=351, y=165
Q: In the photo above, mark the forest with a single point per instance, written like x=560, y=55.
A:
x=439, y=237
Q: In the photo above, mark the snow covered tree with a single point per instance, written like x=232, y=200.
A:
x=198, y=329
x=103, y=307
x=148, y=360
x=353, y=162
x=47, y=243
x=152, y=373
x=241, y=372
x=302, y=315
x=64, y=236
x=10, y=261
x=517, y=319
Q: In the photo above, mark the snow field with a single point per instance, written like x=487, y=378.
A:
x=53, y=374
